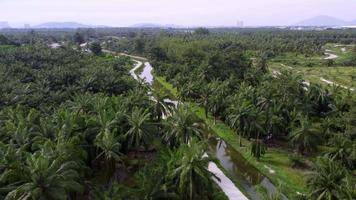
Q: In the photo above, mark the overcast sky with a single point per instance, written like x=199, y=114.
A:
x=181, y=12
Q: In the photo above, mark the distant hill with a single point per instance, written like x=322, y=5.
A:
x=4, y=25
x=322, y=20
x=65, y=25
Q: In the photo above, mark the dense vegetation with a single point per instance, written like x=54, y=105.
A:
x=77, y=126
x=276, y=109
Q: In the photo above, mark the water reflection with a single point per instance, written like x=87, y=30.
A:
x=235, y=164
x=146, y=74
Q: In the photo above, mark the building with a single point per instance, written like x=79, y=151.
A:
x=239, y=23
x=27, y=26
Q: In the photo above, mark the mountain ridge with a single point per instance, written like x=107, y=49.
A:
x=324, y=20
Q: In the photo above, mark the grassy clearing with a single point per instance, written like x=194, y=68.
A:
x=291, y=180
x=342, y=51
x=314, y=67
x=345, y=76
x=167, y=85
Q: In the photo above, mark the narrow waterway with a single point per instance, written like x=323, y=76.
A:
x=231, y=160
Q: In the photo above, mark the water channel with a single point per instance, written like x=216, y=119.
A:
x=231, y=160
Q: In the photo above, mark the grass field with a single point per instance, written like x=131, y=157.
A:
x=345, y=76
x=314, y=68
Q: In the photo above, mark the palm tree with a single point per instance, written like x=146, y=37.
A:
x=329, y=181
x=247, y=120
x=262, y=63
x=239, y=119
x=110, y=146
x=115, y=191
x=82, y=103
x=46, y=179
x=191, y=174
x=258, y=148
x=343, y=150
x=162, y=107
x=204, y=97
x=152, y=184
x=140, y=127
x=182, y=126
x=306, y=136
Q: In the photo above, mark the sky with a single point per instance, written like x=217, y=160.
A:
x=180, y=12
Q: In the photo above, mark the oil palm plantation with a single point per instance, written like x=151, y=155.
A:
x=141, y=127
x=161, y=106
x=239, y=119
x=343, y=150
x=110, y=146
x=191, y=173
x=46, y=179
x=329, y=181
x=183, y=126
x=305, y=136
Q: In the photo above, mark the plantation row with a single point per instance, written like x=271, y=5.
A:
x=77, y=126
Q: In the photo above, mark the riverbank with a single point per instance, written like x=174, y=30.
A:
x=275, y=164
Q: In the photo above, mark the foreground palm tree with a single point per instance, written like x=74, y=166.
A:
x=46, y=179
x=192, y=176
x=110, y=146
x=329, y=181
x=140, y=128
x=182, y=126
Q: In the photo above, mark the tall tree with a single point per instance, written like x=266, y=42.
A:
x=78, y=38
x=183, y=126
x=95, y=47
x=305, y=136
x=140, y=128
x=192, y=176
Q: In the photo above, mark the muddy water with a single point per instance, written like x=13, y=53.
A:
x=230, y=159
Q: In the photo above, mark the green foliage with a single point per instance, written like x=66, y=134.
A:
x=4, y=40
x=178, y=174
x=115, y=191
x=296, y=161
x=343, y=150
x=78, y=38
x=95, y=47
x=37, y=76
x=202, y=31
x=258, y=149
x=140, y=129
x=182, y=127
x=216, y=71
x=305, y=136
x=330, y=181
x=45, y=178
